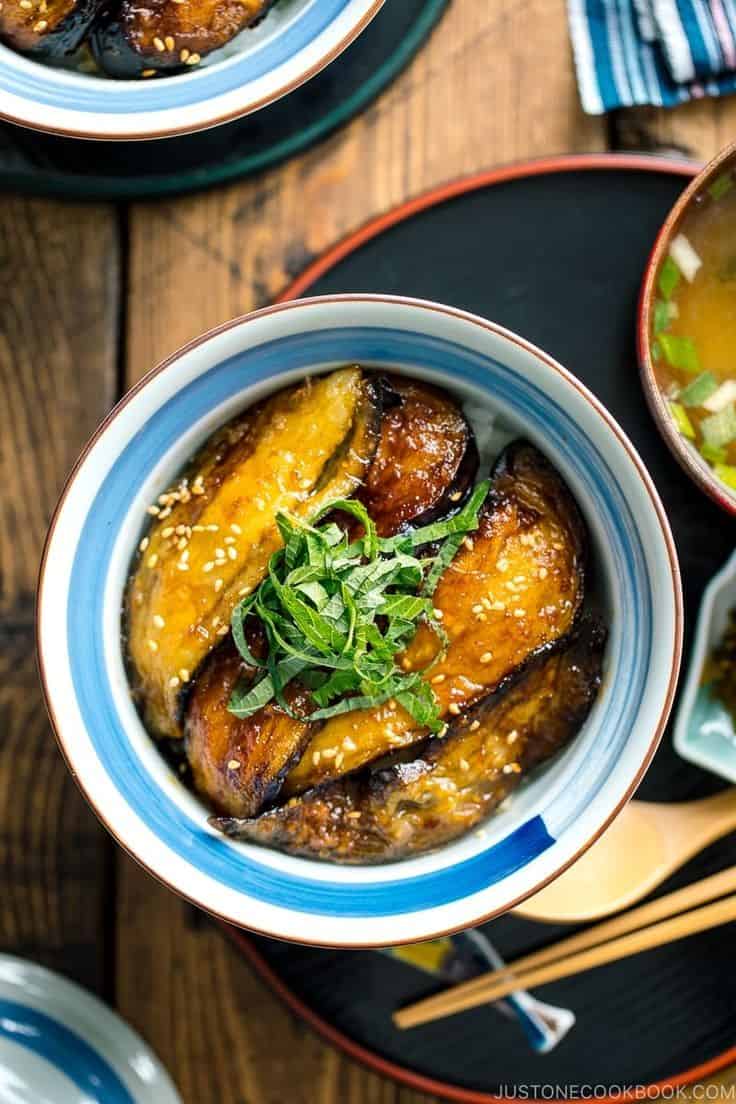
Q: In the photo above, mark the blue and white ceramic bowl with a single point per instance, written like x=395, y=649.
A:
x=292, y=44
x=509, y=388
x=60, y=1045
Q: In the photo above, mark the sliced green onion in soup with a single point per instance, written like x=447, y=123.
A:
x=724, y=395
x=721, y=186
x=680, y=352
x=669, y=277
x=720, y=429
x=713, y=455
x=727, y=474
x=682, y=420
x=701, y=389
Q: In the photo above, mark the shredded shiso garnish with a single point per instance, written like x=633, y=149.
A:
x=337, y=613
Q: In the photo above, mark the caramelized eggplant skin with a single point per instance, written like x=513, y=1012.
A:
x=511, y=592
x=426, y=461
x=128, y=39
x=403, y=811
x=215, y=533
x=50, y=29
x=239, y=764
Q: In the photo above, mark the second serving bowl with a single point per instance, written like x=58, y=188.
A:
x=509, y=388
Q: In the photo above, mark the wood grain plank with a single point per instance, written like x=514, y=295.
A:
x=223, y=1035
x=494, y=84
x=59, y=281
x=698, y=130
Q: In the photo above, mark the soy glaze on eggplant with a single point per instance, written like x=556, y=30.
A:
x=425, y=471
x=47, y=30
x=213, y=533
x=426, y=461
x=137, y=38
x=239, y=764
x=514, y=588
x=414, y=807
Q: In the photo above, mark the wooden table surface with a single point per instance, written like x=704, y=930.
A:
x=93, y=295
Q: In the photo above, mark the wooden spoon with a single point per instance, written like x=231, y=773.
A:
x=644, y=845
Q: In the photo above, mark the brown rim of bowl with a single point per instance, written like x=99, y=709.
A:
x=528, y=347
x=228, y=117
x=696, y=469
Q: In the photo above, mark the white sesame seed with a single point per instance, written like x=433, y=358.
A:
x=329, y=753
x=316, y=756
x=475, y=726
x=229, y=540
x=219, y=584
x=170, y=45
x=519, y=613
x=232, y=553
x=153, y=645
x=437, y=679
x=209, y=566
x=152, y=560
x=438, y=614
x=184, y=674
x=167, y=532
x=233, y=764
x=236, y=529
x=153, y=511
x=543, y=573
x=158, y=43
x=174, y=682
x=158, y=621
x=464, y=765
x=349, y=744
x=454, y=708
x=143, y=545
x=486, y=657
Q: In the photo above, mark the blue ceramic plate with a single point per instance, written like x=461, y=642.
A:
x=60, y=1045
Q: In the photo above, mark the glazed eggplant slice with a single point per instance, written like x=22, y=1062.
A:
x=239, y=764
x=144, y=36
x=512, y=590
x=426, y=461
x=48, y=30
x=411, y=808
x=214, y=533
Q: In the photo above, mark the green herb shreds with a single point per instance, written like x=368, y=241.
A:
x=336, y=613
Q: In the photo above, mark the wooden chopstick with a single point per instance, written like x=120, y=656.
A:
x=527, y=971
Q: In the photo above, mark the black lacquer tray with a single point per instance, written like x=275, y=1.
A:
x=554, y=250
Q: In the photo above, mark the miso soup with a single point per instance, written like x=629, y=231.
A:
x=694, y=327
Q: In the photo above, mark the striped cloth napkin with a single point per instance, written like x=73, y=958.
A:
x=661, y=52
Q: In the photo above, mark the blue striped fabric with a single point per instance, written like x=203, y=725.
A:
x=661, y=52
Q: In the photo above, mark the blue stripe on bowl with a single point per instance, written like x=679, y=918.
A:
x=628, y=660
x=63, y=1048
x=44, y=84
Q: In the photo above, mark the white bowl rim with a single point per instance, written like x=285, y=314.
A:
x=202, y=115
x=658, y=513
